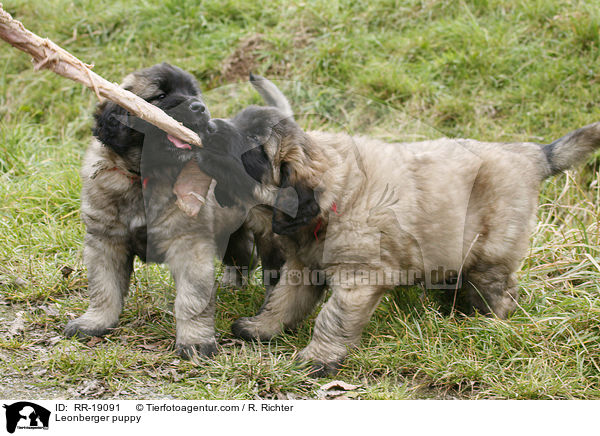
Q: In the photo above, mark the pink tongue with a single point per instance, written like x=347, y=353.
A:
x=178, y=143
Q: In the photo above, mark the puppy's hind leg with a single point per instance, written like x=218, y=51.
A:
x=240, y=258
x=491, y=289
x=192, y=266
x=292, y=299
x=109, y=264
x=271, y=260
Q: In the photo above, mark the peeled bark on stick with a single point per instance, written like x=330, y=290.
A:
x=192, y=186
x=47, y=54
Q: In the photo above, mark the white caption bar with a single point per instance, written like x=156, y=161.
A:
x=158, y=417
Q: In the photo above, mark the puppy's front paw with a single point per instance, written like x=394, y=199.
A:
x=325, y=369
x=249, y=330
x=197, y=351
x=319, y=367
x=83, y=328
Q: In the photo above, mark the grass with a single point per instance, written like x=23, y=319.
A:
x=491, y=70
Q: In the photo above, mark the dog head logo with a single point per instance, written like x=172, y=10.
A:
x=26, y=415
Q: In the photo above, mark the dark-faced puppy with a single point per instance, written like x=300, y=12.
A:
x=128, y=207
x=234, y=156
x=243, y=155
x=367, y=211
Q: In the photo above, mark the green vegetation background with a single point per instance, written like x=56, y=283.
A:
x=490, y=70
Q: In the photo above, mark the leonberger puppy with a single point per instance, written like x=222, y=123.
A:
x=129, y=209
x=369, y=215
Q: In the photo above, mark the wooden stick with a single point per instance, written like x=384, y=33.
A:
x=47, y=54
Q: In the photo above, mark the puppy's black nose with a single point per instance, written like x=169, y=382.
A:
x=197, y=107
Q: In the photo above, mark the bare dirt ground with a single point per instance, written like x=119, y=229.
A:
x=20, y=381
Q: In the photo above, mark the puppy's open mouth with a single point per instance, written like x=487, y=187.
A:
x=208, y=127
x=179, y=143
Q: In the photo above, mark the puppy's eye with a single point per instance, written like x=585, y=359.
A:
x=253, y=138
x=113, y=121
x=161, y=96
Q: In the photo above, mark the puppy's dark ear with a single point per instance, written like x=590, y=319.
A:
x=300, y=198
x=256, y=163
x=112, y=130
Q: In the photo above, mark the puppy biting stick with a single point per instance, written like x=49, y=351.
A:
x=48, y=55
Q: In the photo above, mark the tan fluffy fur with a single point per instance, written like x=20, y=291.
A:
x=462, y=206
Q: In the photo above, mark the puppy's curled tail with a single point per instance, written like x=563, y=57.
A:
x=271, y=94
x=572, y=149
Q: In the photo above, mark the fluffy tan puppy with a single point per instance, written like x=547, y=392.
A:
x=369, y=215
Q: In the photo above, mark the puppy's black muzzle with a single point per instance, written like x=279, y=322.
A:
x=198, y=107
x=192, y=112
